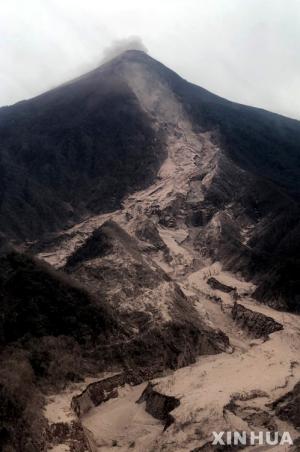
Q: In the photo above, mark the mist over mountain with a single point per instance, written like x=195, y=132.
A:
x=166, y=215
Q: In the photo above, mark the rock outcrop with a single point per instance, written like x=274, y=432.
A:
x=107, y=388
x=256, y=324
x=159, y=405
x=217, y=285
x=287, y=407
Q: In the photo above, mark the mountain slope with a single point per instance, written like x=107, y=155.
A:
x=81, y=147
x=72, y=151
x=145, y=298
x=155, y=199
x=37, y=301
x=53, y=331
x=47, y=325
x=228, y=173
x=262, y=142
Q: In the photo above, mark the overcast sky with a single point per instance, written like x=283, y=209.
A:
x=245, y=50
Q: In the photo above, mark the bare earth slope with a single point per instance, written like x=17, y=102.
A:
x=195, y=229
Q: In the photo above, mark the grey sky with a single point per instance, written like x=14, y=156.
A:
x=244, y=50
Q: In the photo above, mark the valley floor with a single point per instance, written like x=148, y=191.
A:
x=255, y=374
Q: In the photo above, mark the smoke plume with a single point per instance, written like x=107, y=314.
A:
x=119, y=46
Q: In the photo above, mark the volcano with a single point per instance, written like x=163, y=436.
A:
x=169, y=221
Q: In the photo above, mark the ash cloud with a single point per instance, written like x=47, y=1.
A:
x=119, y=46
